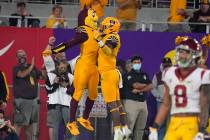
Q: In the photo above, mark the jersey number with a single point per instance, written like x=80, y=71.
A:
x=181, y=95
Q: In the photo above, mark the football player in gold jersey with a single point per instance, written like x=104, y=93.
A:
x=109, y=45
x=86, y=74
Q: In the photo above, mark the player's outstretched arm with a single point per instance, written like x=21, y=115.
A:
x=80, y=37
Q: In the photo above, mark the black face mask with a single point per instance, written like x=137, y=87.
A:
x=22, y=60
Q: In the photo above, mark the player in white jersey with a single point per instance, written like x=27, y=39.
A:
x=186, y=95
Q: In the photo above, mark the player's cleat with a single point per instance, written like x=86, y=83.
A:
x=73, y=128
x=85, y=123
x=118, y=134
x=126, y=132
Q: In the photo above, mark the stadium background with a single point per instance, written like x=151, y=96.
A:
x=152, y=46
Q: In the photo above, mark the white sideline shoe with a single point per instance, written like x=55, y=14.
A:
x=118, y=134
x=126, y=132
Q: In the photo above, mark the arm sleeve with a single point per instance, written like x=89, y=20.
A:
x=49, y=63
x=80, y=37
x=51, y=77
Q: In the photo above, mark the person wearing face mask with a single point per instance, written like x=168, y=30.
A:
x=136, y=84
x=157, y=91
x=25, y=92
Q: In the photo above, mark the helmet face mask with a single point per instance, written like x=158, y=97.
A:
x=188, y=53
x=183, y=58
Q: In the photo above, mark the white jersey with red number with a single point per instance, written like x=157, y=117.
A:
x=184, y=91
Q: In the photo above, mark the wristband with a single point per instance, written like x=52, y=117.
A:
x=155, y=125
x=101, y=44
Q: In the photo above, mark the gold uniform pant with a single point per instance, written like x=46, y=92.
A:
x=85, y=77
x=182, y=128
x=110, y=85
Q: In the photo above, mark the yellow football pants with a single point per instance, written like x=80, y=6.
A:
x=85, y=77
x=182, y=128
x=110, y=86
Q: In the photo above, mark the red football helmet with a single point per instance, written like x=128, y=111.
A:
x=193, y=48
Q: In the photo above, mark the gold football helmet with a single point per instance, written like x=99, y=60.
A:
x=110, y=24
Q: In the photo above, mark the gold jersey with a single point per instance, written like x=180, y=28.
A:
x=89, y=48
x=107, y=62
